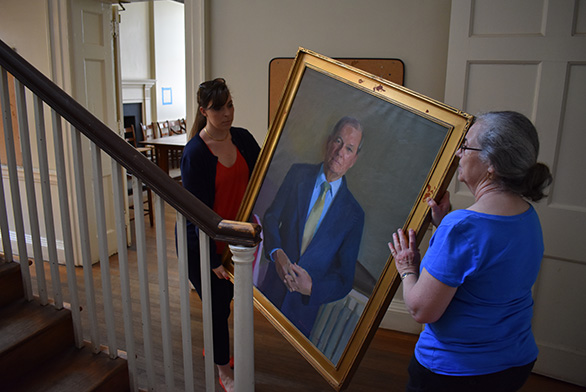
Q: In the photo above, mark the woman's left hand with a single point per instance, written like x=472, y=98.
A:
x=221, y=272
x=405, y=252
x=426, y=297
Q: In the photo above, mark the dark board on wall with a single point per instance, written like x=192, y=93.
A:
x=279, y=67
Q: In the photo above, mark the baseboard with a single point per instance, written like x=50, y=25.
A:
x=398, y=318
x=561, y=363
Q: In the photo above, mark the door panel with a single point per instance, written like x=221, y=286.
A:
x=93, y=86
x=530, y=56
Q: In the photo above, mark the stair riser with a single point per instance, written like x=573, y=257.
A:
x=37, y=348
x=10, y=284
x=117, y=382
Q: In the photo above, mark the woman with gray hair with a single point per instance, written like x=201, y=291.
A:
x=473, y=287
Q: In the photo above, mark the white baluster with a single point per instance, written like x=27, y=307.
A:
x=243, y=318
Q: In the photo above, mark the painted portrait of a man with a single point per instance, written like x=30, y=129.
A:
x=362, y=161
x=312, y=231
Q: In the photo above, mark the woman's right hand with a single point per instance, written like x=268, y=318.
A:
x=439, y=211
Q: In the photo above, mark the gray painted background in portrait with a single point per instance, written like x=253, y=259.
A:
x=398, y=151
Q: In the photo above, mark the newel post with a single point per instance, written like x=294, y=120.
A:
x=243, y=318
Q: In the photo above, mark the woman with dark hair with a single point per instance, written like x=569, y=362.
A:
x=215, y=166
x=473, y=287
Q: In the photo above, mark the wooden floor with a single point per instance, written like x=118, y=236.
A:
x=278, y=366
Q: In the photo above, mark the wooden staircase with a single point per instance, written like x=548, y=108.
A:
x=37, y=350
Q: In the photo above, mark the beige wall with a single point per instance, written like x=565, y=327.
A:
x=26, y=31
x=243, y=36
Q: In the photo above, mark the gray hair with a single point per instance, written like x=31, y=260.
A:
x=354, y=123
x=509, y=143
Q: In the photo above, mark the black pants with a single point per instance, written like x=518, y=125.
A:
x=422, y=379
x=222, y=294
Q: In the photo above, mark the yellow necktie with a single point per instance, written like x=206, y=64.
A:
x=314, y=215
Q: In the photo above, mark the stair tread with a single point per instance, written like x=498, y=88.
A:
x=22, y=319
x=77, y=370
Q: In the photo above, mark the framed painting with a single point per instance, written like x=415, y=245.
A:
x=349, y=159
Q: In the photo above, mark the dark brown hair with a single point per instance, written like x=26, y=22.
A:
x=210, y=94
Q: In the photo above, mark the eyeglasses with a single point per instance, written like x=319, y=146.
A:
x=464, y=147
x=212, y=83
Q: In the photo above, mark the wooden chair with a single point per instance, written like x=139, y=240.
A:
x=175, y=127
x=174, y=155
x=148, y=133
x=148, y=202
x=183, y=125
x=163, y=128
x=130, y=137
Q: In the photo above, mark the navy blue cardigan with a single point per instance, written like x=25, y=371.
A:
x=198, y=175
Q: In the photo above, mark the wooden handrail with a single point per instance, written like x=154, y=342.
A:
x=239, y=233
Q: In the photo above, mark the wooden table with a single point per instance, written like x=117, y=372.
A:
x=165, y=144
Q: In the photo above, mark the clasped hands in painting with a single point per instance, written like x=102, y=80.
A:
x=293, y=276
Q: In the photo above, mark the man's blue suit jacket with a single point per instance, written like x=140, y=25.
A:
x=330, y=257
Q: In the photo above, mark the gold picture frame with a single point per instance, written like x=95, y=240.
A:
x=408, y=155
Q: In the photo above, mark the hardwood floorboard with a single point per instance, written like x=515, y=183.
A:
x=278, y=366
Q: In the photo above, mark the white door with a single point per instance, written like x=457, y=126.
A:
x=91, y=34
x=530, y=56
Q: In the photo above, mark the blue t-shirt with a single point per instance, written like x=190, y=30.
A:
x=493, y=260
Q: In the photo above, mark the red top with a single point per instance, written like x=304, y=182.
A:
x=231, y=184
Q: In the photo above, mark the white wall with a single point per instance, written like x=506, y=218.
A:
x=169, y=38
x=135, y=44
x=152, y=46
x=245, y=35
